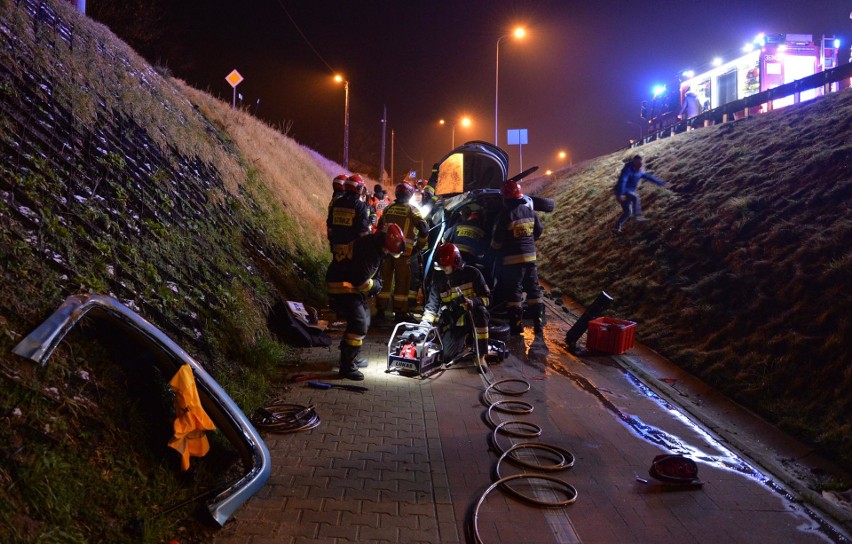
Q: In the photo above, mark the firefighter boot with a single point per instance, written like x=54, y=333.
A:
x=537, y=311
x=516, y=326
x=348, y=366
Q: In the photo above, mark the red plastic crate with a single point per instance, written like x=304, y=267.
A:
x=610, y=335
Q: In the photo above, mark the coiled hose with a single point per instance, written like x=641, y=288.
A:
x=562, y=459
x=285, y=418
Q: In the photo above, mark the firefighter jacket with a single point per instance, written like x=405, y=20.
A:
x=413, y=226
x=359, y=275
x=469, y=236
x=515, y=231
x=348, y=219
x=448, y=292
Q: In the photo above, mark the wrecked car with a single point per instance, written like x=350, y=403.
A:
x=470, y=177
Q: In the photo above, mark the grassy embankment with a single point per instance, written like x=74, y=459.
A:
x=743, y=275
x=117, y=180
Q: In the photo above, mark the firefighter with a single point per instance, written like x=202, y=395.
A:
x=457, y=292
x=516, y=229
x=351, y=283
x=396, y=274
x=348, y=218
x=337, y=187
x=469, y=236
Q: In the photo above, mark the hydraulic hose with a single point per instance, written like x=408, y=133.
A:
x=285, y=418
x=560, y=493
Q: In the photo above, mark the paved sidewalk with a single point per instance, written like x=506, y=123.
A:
x=406, y=461
x=373, y=471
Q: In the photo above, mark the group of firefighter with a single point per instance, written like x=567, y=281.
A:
x=377, y=248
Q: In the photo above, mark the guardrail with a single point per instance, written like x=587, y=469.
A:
x=746, y=106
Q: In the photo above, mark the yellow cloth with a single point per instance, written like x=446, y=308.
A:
x=191, y=421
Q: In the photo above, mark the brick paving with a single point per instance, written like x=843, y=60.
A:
x=406, y=461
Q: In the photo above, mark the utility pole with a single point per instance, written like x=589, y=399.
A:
x=391, y=174
x=384, y=132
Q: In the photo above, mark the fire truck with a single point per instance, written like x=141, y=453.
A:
x=769, y=61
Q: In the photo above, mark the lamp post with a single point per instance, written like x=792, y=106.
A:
x=338, y=78
x=518, y=33
x=564, y=155
x=464, y=121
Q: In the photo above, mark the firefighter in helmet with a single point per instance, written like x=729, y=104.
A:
x=458, y=293
x=516, y=229
x=351, y=283
x=348, y=218
x=337, y=187
x=396, y=275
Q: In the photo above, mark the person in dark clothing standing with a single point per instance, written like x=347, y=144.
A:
x=351, y=282
x=457, y=289
x=516, y=229
x=348, y=218
x=626, y=190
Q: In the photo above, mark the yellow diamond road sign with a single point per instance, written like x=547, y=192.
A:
x=234, y=78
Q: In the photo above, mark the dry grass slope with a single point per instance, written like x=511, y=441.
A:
x=743, y=275
x=117, y=180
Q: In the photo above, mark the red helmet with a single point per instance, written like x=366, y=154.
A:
x=394, y=240
x=338, y=181
x=511, y=190
x=449, y=255
x=354, y=183
x=403, y=191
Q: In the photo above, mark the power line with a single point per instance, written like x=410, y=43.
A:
x=406, y=152
x=302, y=34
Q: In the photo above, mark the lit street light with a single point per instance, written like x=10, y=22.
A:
x=564, y=155
x=338, y=78
x=464, y=121
x=519, y=34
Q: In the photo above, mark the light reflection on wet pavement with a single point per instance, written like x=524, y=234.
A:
x=539, y=356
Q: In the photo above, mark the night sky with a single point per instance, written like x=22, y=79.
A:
x=575, y=82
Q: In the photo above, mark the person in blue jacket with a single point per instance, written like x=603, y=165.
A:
x=626, y=190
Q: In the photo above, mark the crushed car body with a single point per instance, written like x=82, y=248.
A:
x=40, y=344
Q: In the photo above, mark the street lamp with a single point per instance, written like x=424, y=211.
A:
x=564, y=155
x=338, y=78
x=519, y=34
x=464, y=121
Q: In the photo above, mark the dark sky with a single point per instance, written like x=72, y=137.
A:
x=575, y=82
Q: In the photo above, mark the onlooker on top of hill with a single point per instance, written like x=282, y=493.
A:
x=691, y=107
x=626, y=190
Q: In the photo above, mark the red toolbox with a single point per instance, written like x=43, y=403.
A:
x=610, y=335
